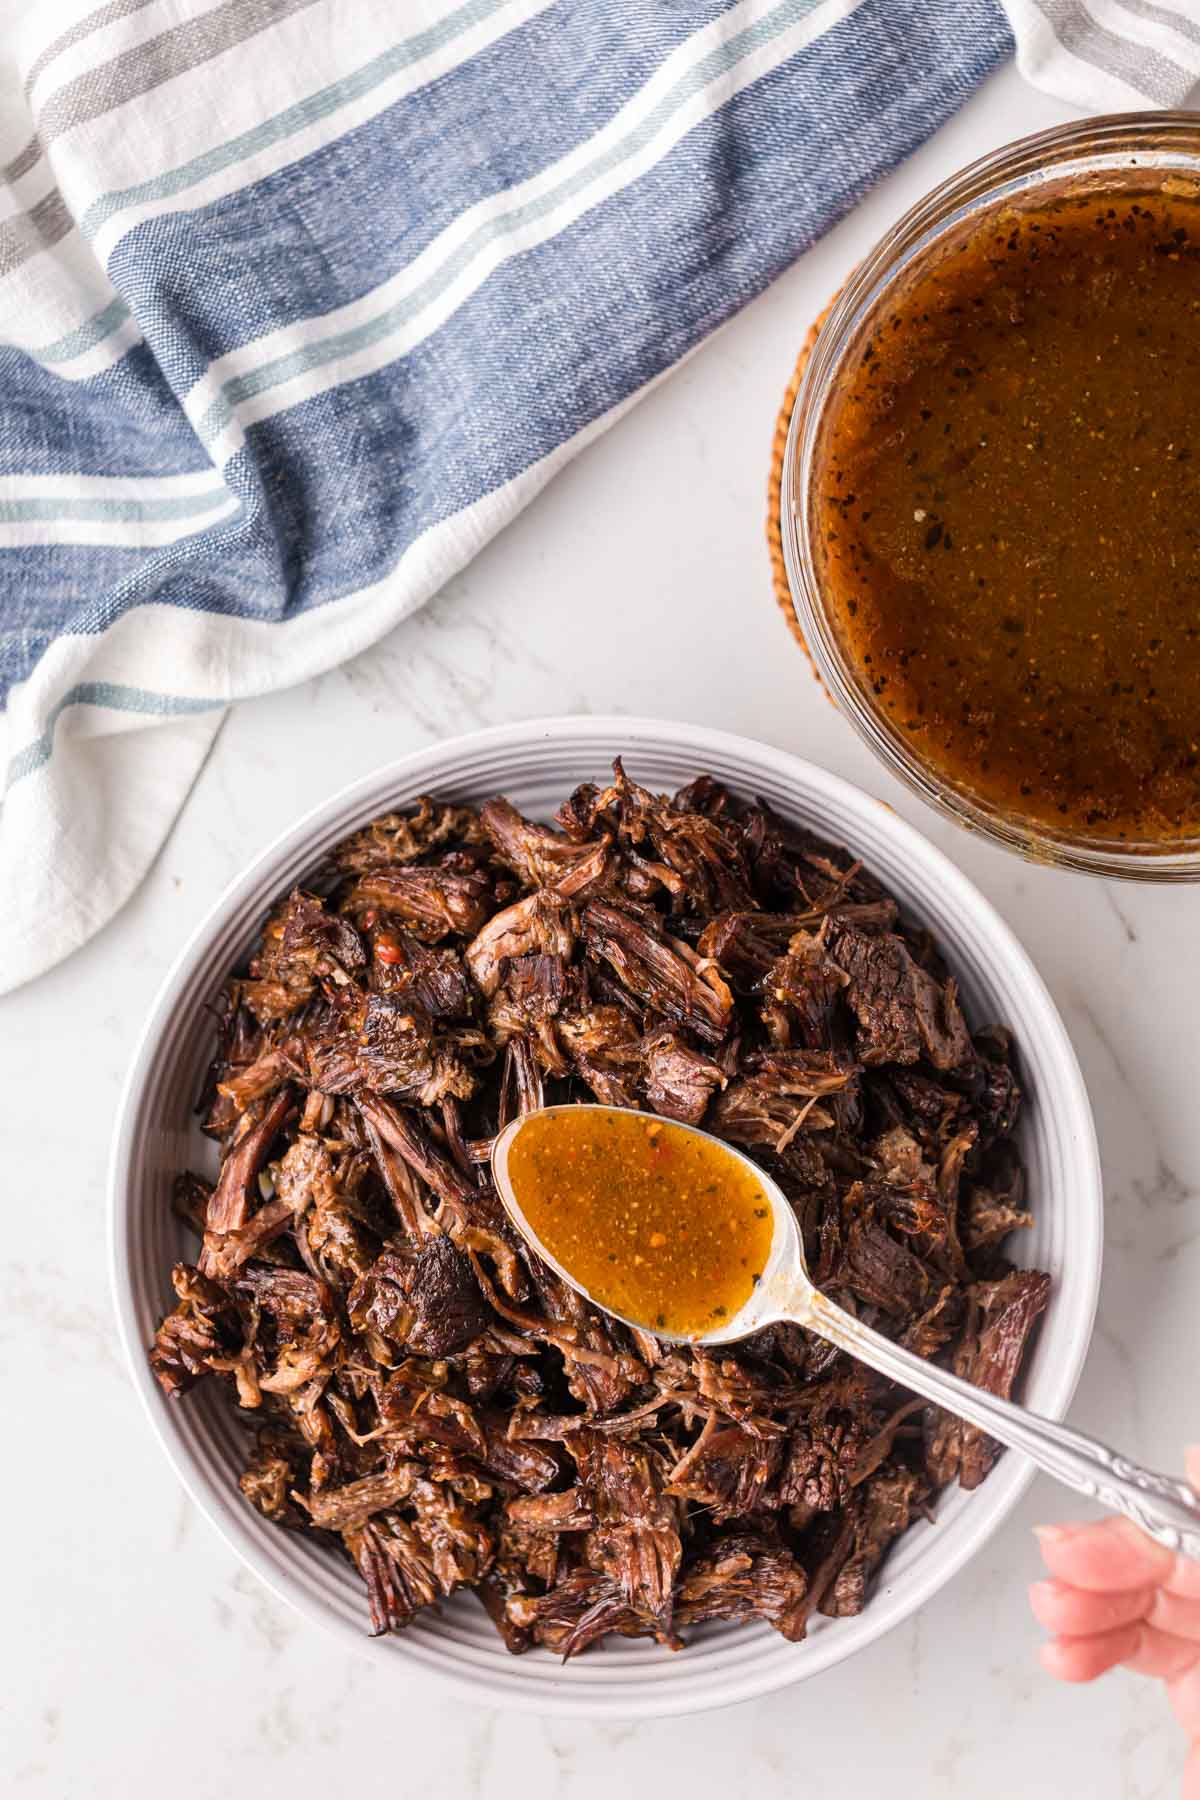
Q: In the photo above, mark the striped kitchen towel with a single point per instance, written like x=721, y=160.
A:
x=302, y=300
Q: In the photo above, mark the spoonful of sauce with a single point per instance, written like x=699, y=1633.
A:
x=669, y=1229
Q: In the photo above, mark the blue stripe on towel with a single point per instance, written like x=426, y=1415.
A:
x=326, y=229
x=337, y=488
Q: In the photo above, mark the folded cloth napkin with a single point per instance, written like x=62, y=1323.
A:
x=302, y=300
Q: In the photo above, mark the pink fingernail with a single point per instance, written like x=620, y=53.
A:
x=1051, y=1534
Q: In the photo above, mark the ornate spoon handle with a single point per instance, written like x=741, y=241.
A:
x=1165, y=1507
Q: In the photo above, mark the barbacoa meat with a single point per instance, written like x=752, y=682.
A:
x=440, y=1406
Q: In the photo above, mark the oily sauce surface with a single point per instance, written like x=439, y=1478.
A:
x=1008, y=515
x=654, y=1222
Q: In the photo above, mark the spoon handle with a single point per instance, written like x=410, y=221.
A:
x=1166, y=1508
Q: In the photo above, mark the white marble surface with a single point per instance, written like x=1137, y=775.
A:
x=135, y=1654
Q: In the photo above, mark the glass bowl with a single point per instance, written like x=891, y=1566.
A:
x=1125, y=151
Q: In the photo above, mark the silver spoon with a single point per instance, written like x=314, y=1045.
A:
x=1166, y=1508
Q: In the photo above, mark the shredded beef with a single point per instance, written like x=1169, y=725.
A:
x=438, y=1404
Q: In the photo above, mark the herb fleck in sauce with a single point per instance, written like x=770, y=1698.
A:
x=1008, y=516
x=656, y=1223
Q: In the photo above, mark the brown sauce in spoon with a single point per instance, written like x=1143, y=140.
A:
x=659, y=1224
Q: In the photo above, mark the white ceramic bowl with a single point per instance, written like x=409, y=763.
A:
x=536, y=765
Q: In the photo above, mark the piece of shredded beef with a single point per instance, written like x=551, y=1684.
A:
x=439, y=1405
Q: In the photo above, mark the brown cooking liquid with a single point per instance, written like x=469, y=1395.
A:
x=1008, y=516
x=660, y=1225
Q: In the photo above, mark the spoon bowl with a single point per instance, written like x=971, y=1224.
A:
x=784, y=1291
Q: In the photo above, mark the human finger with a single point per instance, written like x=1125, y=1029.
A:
x=1082, y=1612
x=1175, y=1613
x=1184, y=1694
x=1108, y=1556
x=1083, y=1658
x=1191, y=1775
x=1137, y=1647
x=1162, y=1656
